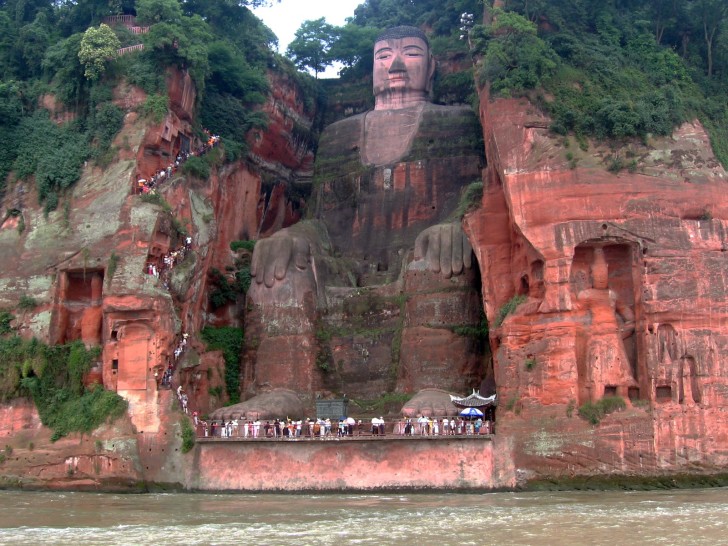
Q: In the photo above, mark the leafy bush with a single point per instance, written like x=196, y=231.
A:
x=156, y=199
x=55, y=154
x=243, y=278
x=229, y=116
x=455, y=88
x=105, y=121
x=197, y=167
x=594, y=412
x=143, y=71
x=5, y=319
x=155, y=107
x=470, y=199
x=53, y=375
x=514, y=57
x=221, y=292
x=27, y=302
x=236, y=246
x=509, y=307
x=230, y=341
x=188, y=435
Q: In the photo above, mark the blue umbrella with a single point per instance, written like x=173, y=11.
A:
x=471, y=412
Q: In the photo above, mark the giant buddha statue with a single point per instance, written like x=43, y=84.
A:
x=386, y=185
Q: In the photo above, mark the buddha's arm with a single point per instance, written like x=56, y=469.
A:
x=627, y=315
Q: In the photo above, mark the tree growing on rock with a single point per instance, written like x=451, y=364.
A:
x=98, y=45
x=310, y=48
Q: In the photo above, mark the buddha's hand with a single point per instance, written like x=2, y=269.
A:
x=272, y=257
x=445, y=249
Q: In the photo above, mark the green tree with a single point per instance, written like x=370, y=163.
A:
x=710, y=16
x=721, y=53
x=183, y=44
x=515, y=57
x=32, y=42
x=230, y=73
x=7, y=41
x=353, y=47
x=62, y=64
x=388, y=13
x=98, y=45
x=235, y=23
x=310, y=48
x=150, y=12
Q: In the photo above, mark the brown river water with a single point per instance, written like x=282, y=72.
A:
x=690, y=517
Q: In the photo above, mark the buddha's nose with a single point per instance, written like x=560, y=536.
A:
x=397, y=65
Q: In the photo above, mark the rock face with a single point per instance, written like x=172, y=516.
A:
x=615, y=281
x=622, y=292
x=88, y=272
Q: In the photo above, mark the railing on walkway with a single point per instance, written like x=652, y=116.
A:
x=139, y=30
x=124, y=50
x=119, y=19
x=400, y=429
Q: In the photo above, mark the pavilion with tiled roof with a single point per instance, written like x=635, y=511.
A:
x=475, y=400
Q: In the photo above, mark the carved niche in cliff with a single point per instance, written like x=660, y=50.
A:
x=604, y=285
x=130, y=353
x=78, y=315
x=676, y=378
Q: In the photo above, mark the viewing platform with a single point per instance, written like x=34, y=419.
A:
x=346, y=439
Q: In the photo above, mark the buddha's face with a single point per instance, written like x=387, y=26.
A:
x=403, y=71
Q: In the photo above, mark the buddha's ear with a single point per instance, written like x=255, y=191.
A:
x=431, y=66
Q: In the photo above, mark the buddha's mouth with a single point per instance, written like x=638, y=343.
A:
x=398, y=78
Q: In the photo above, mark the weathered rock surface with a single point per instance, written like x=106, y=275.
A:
x=662, y=230
x=88, y=270
x=655, y=333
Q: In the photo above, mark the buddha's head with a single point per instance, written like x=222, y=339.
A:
x=403, y=68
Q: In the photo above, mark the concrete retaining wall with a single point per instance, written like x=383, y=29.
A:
x=330, y=465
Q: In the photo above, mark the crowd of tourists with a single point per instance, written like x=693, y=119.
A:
x=426, y=426
x=183, y=399
x=162, y=268
x=148, y=185
x=164, y=379
x=287, y=429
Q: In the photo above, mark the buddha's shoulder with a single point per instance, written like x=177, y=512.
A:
x=458, y=115
x=348, y=126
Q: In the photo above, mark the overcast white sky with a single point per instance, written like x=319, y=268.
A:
x=285, y=17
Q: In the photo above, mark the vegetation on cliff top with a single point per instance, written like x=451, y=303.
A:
x=608, y=70
x=63, y=50
x=613, y=69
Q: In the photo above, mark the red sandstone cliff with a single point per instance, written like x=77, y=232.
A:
x=661, y=320
x=88, y=272
x=542, y=223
